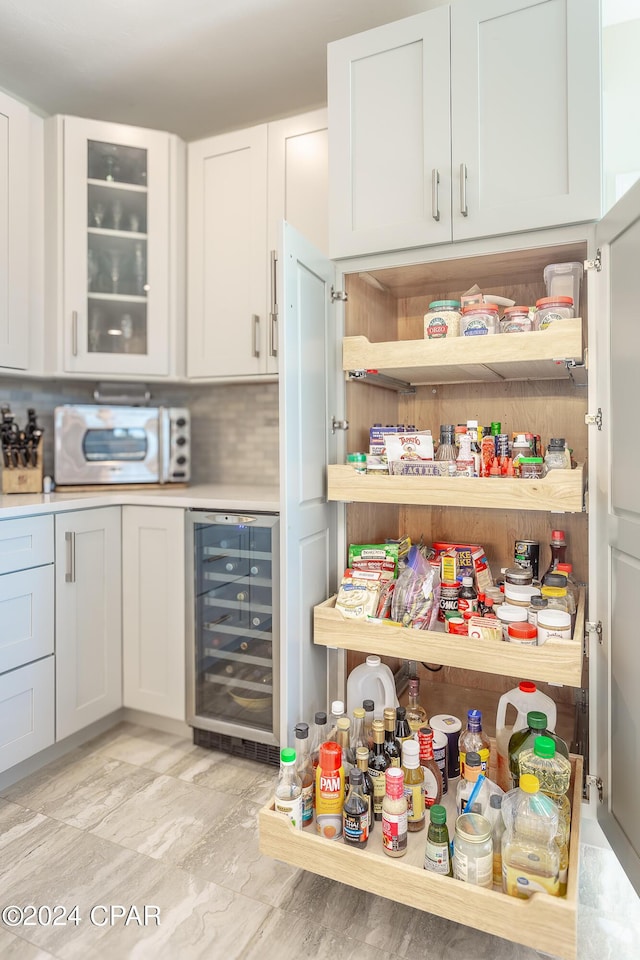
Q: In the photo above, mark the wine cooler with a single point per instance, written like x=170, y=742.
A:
x=232, y=654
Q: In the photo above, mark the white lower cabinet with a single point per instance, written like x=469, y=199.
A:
x=26, y=616
x=26, y=712
x=88, y=617
x=153, y=584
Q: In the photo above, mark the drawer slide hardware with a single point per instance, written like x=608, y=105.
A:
x=339, y=424
x=593, y=781
x=596, y=263
x=381, y=380
x=594, y=418
x=338, y=295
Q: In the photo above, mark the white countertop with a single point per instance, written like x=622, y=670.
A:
x=197, y=496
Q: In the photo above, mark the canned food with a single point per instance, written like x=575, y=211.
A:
x=526, y=553
x=448, y=600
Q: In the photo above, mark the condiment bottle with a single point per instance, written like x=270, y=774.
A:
x=337, y=710
x=378, y=764
x=304, y=769
x=357, y=733
x=530, y=855
x=437, y=854
x=413, y=785
x=318, y=737
x=362, y=761
x=355, y=813
x=403, y=730
x=558, y=550
x=394, y=814
x=368, y=706
x=288, y=793
x=343, y=739
x=524, y=739
x=473, y=738
x=392, y=746
x=416, y=715
x=329, y=791
x=467, y=598
x=433, y=785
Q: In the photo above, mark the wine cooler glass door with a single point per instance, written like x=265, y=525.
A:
x=233, y=683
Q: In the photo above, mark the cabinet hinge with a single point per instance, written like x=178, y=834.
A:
x=593, y=781
x=592, y=626
x=339, y=424
x=338, y=295
x=591, y=418
x=596, y=263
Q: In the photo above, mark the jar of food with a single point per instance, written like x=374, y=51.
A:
x=549, y=310
x=473, y=850
x=448, y=600
x=525, y=634
x=519, y=575
x=442, y=319
x=537, y=604
x=494, y=594
x=358, y=461
x=516, y=320
x=553, y=623
x=479, y=320
x=522, y=446
x=557, y=457
x=519, y=595
x=554, y=588
x=456, y=625
x=531, y=468
x=508, y=613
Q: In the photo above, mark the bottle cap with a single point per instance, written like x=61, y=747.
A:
x=302, y=731
x=495, y=801
x=529, y=783
x=474, y=719
x=320, y=718
x=537, y=720
x=557, y=536
x=538, y=602
x=337, y=707
x=330, y=756
x=390, y=713
x=368, y=706
x=401, y=713
x=394, y=782
x=362, y=753
x=544, y=747
x=555, y=580
x=373, y=660
x=438, y=814
x=410, y=754
x=287, y=755
x=467, y=581
x=556, y=443
x=358, y=713
x=527, y=686
x=343, y=723
x=473, y=759
x=565, y=567
x=523, y=631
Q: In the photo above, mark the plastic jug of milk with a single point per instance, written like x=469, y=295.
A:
x=524, y=697
x=372, y=680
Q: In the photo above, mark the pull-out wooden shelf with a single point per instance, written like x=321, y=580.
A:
x=556, y=661
x=543, y=922
x=538, y=355
x=560, y=491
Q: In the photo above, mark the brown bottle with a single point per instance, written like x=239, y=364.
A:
x=392, y=746
x=378, y=763
x=362, y=760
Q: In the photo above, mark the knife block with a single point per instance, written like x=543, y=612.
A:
x=22, y=479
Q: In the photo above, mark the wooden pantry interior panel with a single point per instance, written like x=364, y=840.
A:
x=387, y=306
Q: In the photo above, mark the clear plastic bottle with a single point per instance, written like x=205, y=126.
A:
x=467, y=787
x=357, y=733
x=474, y=739
x=537, y=726
x=343, y=738
x=337, y=710
x=319, y=735
x=557, y=457
x=554, y=776
x=304, y=769
x=497, y=832
x=416, y=714
x=437, y=855
x=413, y=785
x=530, y=854
x=394, y=814
x=288, y=793
x=558, y=550
x=554, y=590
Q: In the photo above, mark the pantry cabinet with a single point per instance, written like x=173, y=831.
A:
x=241, y=185
x=114, y=238
x=88, y=617
x=467, y=121
x=153, y=609
x=14, y=233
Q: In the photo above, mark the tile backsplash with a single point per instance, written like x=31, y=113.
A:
x=234, y=427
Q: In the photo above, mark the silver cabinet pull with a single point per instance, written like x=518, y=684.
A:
x=273, y=316
x=435, y=182
x=464, y=210
x=70, y=541
x=274, y=335
x=74, y=333
x=256, y=334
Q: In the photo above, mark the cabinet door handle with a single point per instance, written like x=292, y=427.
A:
x=464, y=210
x=70, y=541
x=273, y=317
x=256, y=334
x=273, y=351
x=435, y=183
x=74, y=333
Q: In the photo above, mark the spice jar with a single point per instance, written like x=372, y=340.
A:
x=473, y=850
x=537, y=604
x=507, y=614
x=531, y=468
x=442, y=320
x=553, y=623
x=479, y=320
x=519, y=595
x=554, y=588
x=516, y=320
x=522, y=576
x=557, y=456
x=525, y=634
x=550, y=310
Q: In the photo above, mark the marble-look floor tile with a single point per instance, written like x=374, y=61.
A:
x=283, y=937
x=15, y=948
x=79, y=789
x=606, y=937
x=163, y=819
x=228, y=854
x=235, y=775
x=153, y=749
x=605, y=888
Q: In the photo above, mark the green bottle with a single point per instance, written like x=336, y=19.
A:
x=437, y=855
x=524, y=739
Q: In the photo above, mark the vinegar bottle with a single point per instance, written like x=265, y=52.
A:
x=378, y=764
x=413, y=785
x=416, y=715
x=355, y=813
x=362, y=760
x=392, y=746
x=437, y=856
x=304, y=769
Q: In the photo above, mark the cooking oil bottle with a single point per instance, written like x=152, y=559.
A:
x=530, y=854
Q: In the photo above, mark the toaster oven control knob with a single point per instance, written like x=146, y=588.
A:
x=181, y=422
x=181, y=441
x=181, y=461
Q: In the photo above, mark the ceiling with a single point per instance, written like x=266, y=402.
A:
x=192, y=67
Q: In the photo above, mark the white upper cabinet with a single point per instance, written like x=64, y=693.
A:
x=111, y=258
x=466, y=121
x=241, y=186
x=14, y=233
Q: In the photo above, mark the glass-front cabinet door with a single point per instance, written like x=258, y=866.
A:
x=116, y=249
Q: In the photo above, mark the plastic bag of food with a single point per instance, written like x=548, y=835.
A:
x=416, y=596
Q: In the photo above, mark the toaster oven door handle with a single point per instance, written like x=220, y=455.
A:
x=70, y=543
x=163, y=419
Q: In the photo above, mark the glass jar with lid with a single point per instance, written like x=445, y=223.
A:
x=480, y=319
x=522, y=576
x=554, y=588
x=531, y=468
x=442, y=320
x=550, y=310
x=516, y=320
x=473, y=850
x=557, y=456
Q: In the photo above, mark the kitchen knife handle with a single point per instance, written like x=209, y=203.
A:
x=70, y=541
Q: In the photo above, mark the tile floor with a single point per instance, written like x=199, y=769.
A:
x=141, y=817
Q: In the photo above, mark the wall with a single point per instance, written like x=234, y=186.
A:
x=234, y=427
